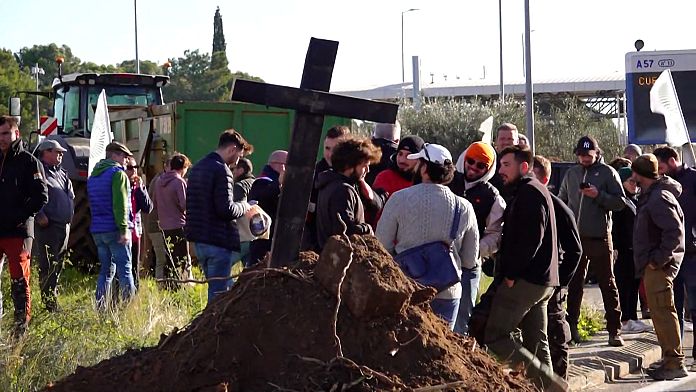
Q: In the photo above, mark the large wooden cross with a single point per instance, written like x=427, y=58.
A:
x=311, y=103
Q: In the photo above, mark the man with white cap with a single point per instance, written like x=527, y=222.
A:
x=429, y=212
x=52, y=223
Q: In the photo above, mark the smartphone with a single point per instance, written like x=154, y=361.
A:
x=585, y=185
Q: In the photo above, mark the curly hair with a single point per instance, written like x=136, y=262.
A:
x=353, y=151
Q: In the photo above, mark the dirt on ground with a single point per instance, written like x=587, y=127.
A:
x=279, y=330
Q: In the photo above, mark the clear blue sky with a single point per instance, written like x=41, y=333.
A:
x=269, y=38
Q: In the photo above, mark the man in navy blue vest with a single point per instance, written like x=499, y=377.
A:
x=211, y=211
x=108, y=190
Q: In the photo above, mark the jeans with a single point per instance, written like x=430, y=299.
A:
x=470, y=285
x=113, y=258
x=679, y=288
x=446, y=308
x=216, y=262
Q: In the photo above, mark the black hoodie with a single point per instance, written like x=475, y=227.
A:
x=338, y=195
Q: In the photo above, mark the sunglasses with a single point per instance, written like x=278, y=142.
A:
x=478, y=165
x=132, y=167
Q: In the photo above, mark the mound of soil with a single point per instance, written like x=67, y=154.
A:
x=279, y=330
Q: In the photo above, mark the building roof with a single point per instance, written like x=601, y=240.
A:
x=580, y=87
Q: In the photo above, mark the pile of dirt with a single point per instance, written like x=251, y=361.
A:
x=279, y=330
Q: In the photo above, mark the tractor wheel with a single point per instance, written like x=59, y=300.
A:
x=83, y=250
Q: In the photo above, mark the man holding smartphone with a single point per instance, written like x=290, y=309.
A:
x=593, y=190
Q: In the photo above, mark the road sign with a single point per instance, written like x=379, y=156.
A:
x=642, y=69
x=49, y=125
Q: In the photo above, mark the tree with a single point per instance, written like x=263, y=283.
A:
x=219, y=44
x=45, y=56
x=193, y=80
x=146, y=67
x=13, y=79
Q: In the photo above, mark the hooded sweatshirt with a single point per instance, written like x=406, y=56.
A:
x=488, y=204
x=171, y=200
x=658, y=234
x=108, y=190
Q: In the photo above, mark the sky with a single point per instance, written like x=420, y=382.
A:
x=570, y=38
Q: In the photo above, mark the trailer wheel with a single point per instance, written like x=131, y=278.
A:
x=83, y=250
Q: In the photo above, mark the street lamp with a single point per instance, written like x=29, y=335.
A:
x=135, y=16
x=36, y=71
x=403, y=73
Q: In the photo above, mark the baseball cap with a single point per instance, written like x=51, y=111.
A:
x=118, y=147
x=434, y=153
x=585, y=144
x=412, y=144
x=51, y=145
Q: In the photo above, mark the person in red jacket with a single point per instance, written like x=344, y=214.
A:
x=399, y=175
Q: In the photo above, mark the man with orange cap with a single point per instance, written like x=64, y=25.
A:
x=476, y=167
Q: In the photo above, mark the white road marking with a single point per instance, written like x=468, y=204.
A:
x=662, y=386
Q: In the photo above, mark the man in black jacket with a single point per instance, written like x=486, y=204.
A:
x=528, y=269
x=386, y=138
x=266, y=192
x=211, y=211
x=570, y=251
x=52, y=223
x=22, y=194
x=338, y=190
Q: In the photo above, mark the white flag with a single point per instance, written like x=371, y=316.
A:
x=664, y=101
x=101, y=133
x=487, y=129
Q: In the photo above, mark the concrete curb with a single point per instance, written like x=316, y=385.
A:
x=593, y=363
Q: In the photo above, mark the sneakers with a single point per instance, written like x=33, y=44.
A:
x=635, y=326
x=662, y=373
x=616, y=341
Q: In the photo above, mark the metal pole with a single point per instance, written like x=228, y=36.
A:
x=403, y=73
x=416, y=83
x=135, y=13
x=528, y=90
x=500, y=27
x=38, y=116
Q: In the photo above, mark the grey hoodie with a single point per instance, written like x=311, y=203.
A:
x=593, y=215
x=658, y=234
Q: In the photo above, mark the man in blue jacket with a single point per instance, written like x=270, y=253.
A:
x=211, y=211
x=109, y=195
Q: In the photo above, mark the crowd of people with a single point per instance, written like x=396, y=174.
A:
x=631, y=222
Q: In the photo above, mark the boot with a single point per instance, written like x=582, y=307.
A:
x=22, y=305
x=574, y=333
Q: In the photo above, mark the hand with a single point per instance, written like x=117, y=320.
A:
x=136, y=180
x=590, y=191
x=509, y=283
x=41, y=219
x=123, y=239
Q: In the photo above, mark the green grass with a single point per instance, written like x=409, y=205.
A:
x=57, y=343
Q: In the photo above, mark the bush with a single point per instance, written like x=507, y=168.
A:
x=558, y=124
x=591, y=321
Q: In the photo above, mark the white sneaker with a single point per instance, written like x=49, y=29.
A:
x=628, y=327
x=640, y=326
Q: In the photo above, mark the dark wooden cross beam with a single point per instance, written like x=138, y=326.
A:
x=311, y=103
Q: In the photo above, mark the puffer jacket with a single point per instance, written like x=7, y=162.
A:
x=658, y=234
x=109, y=198
x=210, y=209
x=593, y=215
x=22, y=190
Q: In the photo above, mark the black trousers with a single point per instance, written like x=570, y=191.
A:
x=559, y=334
x=49, y=250
x=627, y=284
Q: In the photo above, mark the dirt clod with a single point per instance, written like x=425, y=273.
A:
x=274, y=332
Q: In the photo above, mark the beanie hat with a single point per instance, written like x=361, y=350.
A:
x=625, y=173
x=646, y=166
x=482, y=152
x=412, y=144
